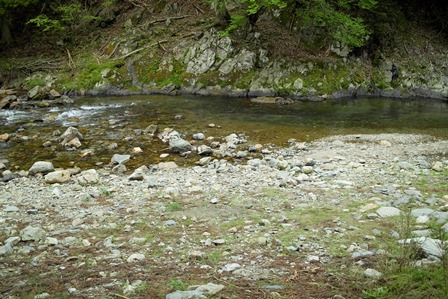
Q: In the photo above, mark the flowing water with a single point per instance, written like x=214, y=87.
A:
x=107, y=120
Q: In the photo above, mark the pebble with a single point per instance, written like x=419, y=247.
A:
x=170, y=223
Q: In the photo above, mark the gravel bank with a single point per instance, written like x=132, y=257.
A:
x=242, y=223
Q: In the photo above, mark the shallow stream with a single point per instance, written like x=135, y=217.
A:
x=121, y=120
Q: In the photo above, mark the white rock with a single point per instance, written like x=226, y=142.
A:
x=12, y=241
x=88, y=177
x=41, y=167
x=51, y=241
x=167, y=165
x=75, y=142
x=230, y=267
x=422, y=219
x=9, y=209
x=70, y=134
x=59, y=176
x=313, y=259
x=135, y=257
x=437, y=166
x=120, y=159
x=199, y=136
x=32, y=233
x=307, y=169
x=372, y=273
x=210, y=289
x=6, y=249
x=432, y=247
x=385, y=143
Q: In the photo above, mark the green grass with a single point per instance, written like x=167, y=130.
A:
x=177, y=285
x=88, y=72
x=172, y=207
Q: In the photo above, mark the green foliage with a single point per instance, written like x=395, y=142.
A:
x=177, y=285
x=236, y=21
x=36, y=80
x=254, y=6
x=336, y=24
x=6, y=16
x=6, y=5
x=336, y=21
x=71, y=15
x=174, y=207
x=239, y=19
x=87, y=74
x=46, y=24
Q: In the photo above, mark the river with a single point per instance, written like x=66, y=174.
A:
x=121, y=120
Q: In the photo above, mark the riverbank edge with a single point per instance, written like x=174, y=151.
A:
x=398, y=93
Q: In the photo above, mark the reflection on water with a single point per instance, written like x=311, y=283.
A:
x=119, y=119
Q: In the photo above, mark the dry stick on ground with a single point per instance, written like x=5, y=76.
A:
x=163, y=48
x=166, y=19
x=120, y=296
x=71, y=63
x=140, y=49
x=115, y=49
x=198, y=8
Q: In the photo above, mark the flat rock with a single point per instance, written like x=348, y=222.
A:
x=210, y=289
x=120, y=159
x=167, y=165
x=422, y=212
x=186, y=295
x=388, y=212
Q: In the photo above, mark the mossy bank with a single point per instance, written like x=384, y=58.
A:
x=180, y=49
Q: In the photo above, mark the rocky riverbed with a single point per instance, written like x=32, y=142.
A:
x=304, y=221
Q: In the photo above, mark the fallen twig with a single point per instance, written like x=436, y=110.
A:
x=115, y=49
x=140, y=49
x=198, y=8
x=71, y=63
x=120, y=296
x=170, y=18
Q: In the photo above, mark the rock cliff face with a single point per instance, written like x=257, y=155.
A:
x=213, y=65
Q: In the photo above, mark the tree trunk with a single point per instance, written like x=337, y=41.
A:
x=5, y=31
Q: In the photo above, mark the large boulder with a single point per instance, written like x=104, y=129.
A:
x=32, y=233
x=41, y=167
x=179, y=145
